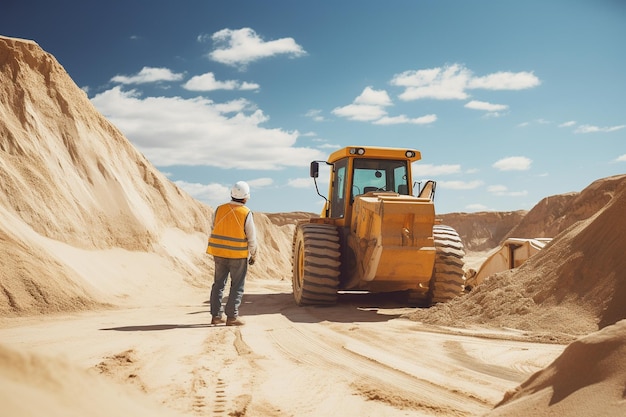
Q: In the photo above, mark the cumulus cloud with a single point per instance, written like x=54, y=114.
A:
x=402, y=119
x=300, y=182
x=360, y=112
x=212, y=194
x=430, y=170
x=513, y=163
x=315, y=114
x=215, y=194
x=502, y=190
x=444, y=83
x=596, y=129
x=460, y=185
x=240, y=47
x=504, y=80
x=451, y=82
x=370, y=106
x=476, y=207
x=621, y=158
x=483, y=105
x=199, y=132
x=207, y=82
x=568, y=124
x=372, y=97
x=148, y=75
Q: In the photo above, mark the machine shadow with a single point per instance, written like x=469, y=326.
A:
x=350, y=307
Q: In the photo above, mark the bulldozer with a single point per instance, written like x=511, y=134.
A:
x=377, y=232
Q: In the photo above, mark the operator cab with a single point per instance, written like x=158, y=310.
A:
x=358, y=171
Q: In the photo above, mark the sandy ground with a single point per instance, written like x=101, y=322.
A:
x=359, y=358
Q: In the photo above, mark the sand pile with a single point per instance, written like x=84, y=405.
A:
x=586, y=380
x=574, y=286
x=73, y=184
x=86, y=219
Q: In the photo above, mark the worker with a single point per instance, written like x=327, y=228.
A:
x=233, y=245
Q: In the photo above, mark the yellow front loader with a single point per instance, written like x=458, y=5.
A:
x=374, y=234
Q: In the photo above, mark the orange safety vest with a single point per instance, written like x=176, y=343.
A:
x=228, y=237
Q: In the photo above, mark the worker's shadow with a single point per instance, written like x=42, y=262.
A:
x=153, y=327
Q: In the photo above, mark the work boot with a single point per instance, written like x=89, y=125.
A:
x=234, y=321
x=217, y=320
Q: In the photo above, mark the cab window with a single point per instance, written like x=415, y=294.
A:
x=338, y=198
x=379, y=175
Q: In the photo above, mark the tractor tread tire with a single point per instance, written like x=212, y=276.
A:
x=448, y=279
x=315, y=264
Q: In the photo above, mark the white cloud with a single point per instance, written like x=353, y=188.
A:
x=505, y=80
x=148, y=75
x=300, y=182
x=402, y=119
x=621, y=158
x=439, y=83
x=369, y=96
x=370, y=105
x=513, y=163
x=483, y=105
x=429, y=170
x=243, y=46
x=315, y=114
x=496, y=189
x=460, y=185
x=451, y=82
x=329, y=146
x=536, y=121
x=176, y=131
x=212, y=194
x=476, y=207
x=360, y=112
x=207, y=82
x=215, y=194
x=568, y=124
x=249, y=86
x=595, y=129
x=501, y=190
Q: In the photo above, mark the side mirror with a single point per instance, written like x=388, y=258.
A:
x=315, y=169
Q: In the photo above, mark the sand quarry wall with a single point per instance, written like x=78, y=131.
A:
x=79, y=203
x=574, y=286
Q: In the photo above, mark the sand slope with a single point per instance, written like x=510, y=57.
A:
x=574, y=286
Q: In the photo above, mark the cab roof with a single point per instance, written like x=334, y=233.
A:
x=375, y=152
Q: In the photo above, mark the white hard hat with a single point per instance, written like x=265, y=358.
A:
x=240, y=191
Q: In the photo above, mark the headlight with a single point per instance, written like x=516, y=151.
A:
x=409, y=154
x=357, y=151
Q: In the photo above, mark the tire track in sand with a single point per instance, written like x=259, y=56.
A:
x=370, y=377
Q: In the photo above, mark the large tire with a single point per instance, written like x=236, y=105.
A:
x=315, y=264
x=448, y=279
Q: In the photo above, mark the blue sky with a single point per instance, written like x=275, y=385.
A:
x=508, y=101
